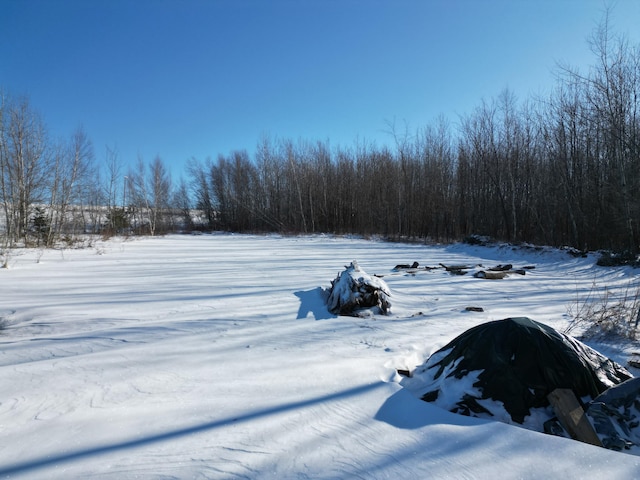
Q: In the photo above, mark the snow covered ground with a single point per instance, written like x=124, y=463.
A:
x=214, y=356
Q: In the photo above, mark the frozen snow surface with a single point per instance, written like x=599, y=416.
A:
x=215, y=356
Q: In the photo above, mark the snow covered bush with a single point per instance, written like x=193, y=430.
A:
x=354, y=291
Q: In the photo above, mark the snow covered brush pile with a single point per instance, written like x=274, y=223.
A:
x=354, y=292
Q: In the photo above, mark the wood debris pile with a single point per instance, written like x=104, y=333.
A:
x=478, y=271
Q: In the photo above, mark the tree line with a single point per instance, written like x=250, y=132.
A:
x=558, y=170
x=54, y=190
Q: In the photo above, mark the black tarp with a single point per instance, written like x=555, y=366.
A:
x=521, y=362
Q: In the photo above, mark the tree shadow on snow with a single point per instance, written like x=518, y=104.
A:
x=313, y=302
x=91, y=452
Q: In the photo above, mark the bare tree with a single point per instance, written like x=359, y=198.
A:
x=613, y=89
x=150, y=190
x=182, y=202
x=25, y=165
x=72, y=170
x=601, y=126
x=200, y=189
x=160, y=187
x=4, y=162
x=115, y=184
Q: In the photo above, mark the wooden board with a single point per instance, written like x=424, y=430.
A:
x=572, y=416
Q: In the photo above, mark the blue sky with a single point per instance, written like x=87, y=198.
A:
x=195, y=78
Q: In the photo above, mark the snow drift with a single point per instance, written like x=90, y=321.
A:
x=215, y=357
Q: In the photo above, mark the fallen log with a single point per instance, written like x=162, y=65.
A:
x=474, y=309
x=501, y=268
x=456, y=269
x=490, y=275
x=406, y=266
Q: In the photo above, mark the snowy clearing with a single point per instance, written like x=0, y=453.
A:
x=215, y=356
